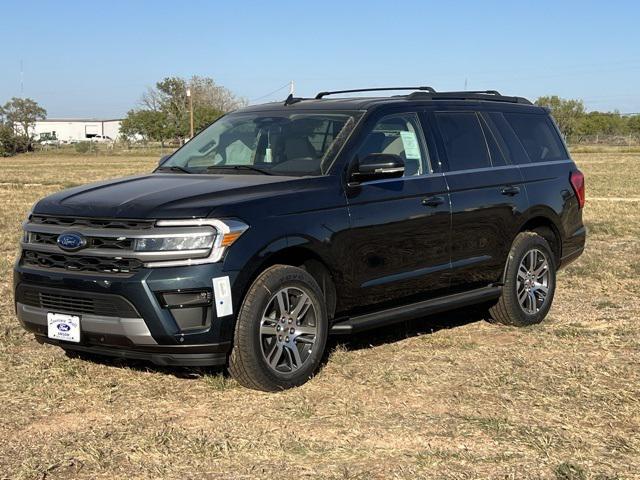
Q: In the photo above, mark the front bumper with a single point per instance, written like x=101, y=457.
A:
x=176, y=356
x=137, y=326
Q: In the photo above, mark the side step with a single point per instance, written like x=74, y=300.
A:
x=414, y=310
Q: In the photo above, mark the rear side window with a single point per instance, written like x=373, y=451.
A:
x=538, y=136
x=463, y=139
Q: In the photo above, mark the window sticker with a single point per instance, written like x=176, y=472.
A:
x=411, y=147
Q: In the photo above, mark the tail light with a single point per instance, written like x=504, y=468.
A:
x=577, y=182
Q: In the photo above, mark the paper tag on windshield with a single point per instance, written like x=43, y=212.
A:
x=411, y=147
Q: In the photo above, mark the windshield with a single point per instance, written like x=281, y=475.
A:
x=262, y=143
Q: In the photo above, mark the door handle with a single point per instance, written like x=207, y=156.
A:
x=435, y=201
x=510, y=190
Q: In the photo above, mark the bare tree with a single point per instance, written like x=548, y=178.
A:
x=205, y=92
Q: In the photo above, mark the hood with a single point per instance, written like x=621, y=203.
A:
x=161, y=195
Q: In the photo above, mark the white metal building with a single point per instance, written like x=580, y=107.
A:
x=76, y=130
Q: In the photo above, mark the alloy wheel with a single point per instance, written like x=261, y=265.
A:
x=288, y=330
x=532, y=285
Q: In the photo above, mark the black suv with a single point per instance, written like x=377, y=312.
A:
x=282, y=223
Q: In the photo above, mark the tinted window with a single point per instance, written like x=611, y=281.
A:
x=495, y=151
x=512, y=146
x=463, y=139
x=397, y=135
x=538, y=136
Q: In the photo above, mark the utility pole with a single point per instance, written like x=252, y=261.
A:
x=190, y=110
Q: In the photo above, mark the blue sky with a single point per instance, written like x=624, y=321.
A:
x=94, y=59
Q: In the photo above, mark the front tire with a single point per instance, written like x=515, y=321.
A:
x=281, y=330
x=529, y=283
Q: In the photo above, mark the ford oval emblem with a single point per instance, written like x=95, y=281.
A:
x=63, y=327
x=71, y=241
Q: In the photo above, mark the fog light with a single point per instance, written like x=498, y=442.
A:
x=191, y=309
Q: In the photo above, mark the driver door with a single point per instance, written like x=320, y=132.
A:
x=399, y=240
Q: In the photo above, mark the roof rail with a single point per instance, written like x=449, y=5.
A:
x=428, y=93
x=421, y=89
x=492, y=95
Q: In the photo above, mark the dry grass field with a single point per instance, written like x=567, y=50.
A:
x=449, y=396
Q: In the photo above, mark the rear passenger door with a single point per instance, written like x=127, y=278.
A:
x=487, y=193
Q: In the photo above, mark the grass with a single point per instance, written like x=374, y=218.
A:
x=448, y=397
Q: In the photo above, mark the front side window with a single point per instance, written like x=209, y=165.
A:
x=464, y=140
x=397, y=135
x=279, y=143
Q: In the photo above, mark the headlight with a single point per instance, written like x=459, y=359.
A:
x=185, y=242
x=222, y=235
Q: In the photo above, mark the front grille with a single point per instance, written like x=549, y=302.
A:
x=67, y=301
x=43, y=238
x=79, y=263
x=119, y=243
x=110, y=242
x=108, y=246
x=92, y=222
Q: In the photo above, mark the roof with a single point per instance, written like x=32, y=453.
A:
x=417, y=98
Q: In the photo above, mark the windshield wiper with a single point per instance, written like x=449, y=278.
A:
x=240, y=167
x=174, y=168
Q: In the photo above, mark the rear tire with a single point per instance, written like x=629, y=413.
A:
x=529, y=283
x=281, y=330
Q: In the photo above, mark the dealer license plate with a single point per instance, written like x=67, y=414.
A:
x=63, y=327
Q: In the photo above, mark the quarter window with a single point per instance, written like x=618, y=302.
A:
x=495, y=151
x=513, y=148
x=464, y=141
x=538, y=136
x=397, y=135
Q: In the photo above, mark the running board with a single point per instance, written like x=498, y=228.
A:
x=414, y=310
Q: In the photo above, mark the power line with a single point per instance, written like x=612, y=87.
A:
x=286, y=85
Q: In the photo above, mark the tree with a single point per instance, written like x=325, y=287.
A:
x=150, y=124
x=567, y=113
x=633, y=124
x=23, y=112
x=172, y=98
x=602, y=123
x=164, y=109
x=204, y=115
x=10, y=143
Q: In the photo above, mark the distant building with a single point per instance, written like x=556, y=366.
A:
x=76, y=130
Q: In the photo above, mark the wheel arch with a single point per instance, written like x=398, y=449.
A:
x=297, y=256
x=548, y=229
x=543, y=224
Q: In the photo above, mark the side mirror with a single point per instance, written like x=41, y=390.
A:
x=378, y=166
x=163, y=159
